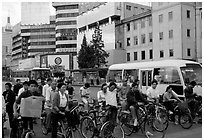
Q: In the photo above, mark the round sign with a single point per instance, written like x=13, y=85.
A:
x=58, y=60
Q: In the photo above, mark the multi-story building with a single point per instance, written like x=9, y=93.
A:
x=6, y=44
x=35, y=13
x=114, y=13
x=171, y=30
x=66, y=26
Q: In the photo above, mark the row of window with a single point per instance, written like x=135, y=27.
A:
x=67, y=15
x=71, y=22
x=42, y=50
x=66, y=46
x=76, y=6
x=143, y=39
x=42, y=36
x=142, y=23
x=67, y=38
x=161, y=54
x=72, y=30
x=128, y=7
x=42, y=43
x=170, y=16
x=38, y=30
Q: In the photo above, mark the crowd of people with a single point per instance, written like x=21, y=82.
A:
x=58, y=94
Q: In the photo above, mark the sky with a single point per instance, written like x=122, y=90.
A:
x=13, y=9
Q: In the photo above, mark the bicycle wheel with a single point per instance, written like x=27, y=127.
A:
x=43, y=126
x=150, y=131
x=125, y=120
x=87, y=127
x=109, y=130
x=76, y=133
x=160, y=122
x=185, y=120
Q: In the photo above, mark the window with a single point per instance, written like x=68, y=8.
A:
x=170, y=16
x=188, y=52
x=135, y=55
x=135, y=40
x=115, y=75
x=143, y=38
x=161, y=18
x=161, y=53
x=128, y=7
x=135, y=25
x=128, y=41
x=150, y=54
x=171, y=52
x=188, y=33
x=150, y=37
x=128, y=26
x=142, y=23
x=150, y=21
x=143, y=55
x=161, y=36
x=170, y=33
x=188, y=12
x=128, y=56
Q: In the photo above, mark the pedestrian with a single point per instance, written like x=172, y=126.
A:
x=9, y=97
x=60, y=105
x=46, y=86
x=70, y=90
x=40, y=86
x=24, y=88
x=84, y=92
x=17, y=86
x=50, y=93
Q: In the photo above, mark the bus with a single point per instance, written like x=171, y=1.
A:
x=34, y=74
x=177, y=73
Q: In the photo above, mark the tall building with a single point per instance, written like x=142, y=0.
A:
x=107, y=14
x=35, y=13
x=66, y=26
x=6, y=44
x=171, y=30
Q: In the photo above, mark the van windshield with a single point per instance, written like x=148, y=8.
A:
x=192, y=72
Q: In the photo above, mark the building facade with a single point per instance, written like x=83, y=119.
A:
x=171, y=30
x=107, y=14
x=66, y=26
x=35, y=13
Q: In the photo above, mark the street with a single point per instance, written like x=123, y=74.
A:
x=173, y=131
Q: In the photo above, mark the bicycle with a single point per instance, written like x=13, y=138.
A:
x=96, y=124
x=145, y=123
x=65, y=130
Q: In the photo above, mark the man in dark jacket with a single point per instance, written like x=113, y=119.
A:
x=9, y=98
x=17, y=86
x=133, y=96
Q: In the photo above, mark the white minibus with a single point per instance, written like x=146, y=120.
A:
x=177, y=73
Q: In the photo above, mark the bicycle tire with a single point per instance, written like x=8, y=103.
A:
x=76, y=133
x=160, y=122
x=109, y=130
x=86, y=125
x=125, y=119
x=150, y=131
x=185, y=120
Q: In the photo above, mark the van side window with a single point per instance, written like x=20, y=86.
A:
x=131, y=75
x=115, y=75
x=167, y=75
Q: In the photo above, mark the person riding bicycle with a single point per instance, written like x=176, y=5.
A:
x=31, y=92
x=133, y=96
x=191, y=98
x=152, y=92
x=84, y=92
x=60, y=105
x=101, y=94
x=169, y=99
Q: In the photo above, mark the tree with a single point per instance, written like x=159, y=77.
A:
x=98, y=45
x=86, y=56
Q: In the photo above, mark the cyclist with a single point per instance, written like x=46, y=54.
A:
x=133, y=96
x=102, y=92
x=169, y=99
x=70, y=89
x=24, y=88
x=60, y=105
x=190, y=97
x=50, y=93
x=45, y=87
x=28, y=93
x=84, y=92
x=123, y=94
x=152, y=92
